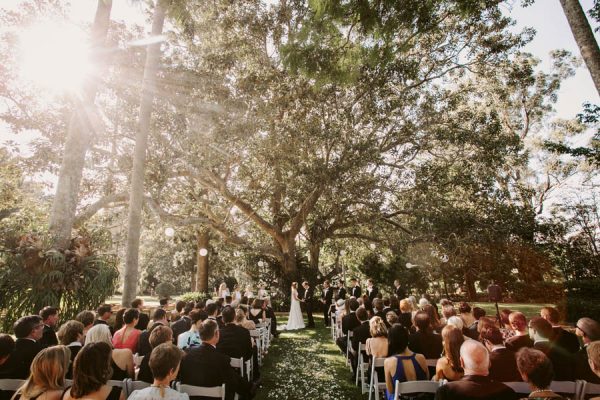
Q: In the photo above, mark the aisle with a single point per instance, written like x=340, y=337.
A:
x=306, y=365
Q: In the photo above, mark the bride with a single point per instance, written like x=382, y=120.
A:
x=295, y=319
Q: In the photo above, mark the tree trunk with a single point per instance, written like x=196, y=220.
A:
x=582, y=32
x=136, y=195
x=470, y=283
x=79, y=135
x=202, y=270
x=287, y=260
x=315, y=253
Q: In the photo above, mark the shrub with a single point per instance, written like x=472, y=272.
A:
x=165, y=290
x=583, y=299
x=195, y=296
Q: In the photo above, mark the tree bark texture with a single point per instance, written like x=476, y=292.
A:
x=136, y=194
x=202, y=270
x=584, y=36
x=79, y=135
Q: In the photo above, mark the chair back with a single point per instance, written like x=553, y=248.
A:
x=588, y=389
x=217, y=392
x=11, y=385
x=136, y=385
x=519, y=387
x=566, y=387
x=416, y=387
x=239, y=364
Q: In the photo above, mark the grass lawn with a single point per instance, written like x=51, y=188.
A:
x=305, y=364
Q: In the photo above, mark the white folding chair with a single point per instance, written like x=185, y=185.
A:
x=519, y=387
x=588, y=389
x=122, y=384
x=363, y=367
x=416, y=387
x=217, y=392
x=136, y=385
x=258, y=340
x=566, y=387
x=11, y=385
x=333, y=326
x=348, y=348
x=375, y=386
x=249, y=370
x=239, y=364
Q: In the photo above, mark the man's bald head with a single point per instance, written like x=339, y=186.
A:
x=474, y=358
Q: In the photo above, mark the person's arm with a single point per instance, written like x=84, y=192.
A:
x=439, y=369
x=389, y=366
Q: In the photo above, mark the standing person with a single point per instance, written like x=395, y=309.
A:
x=307, y=299
x=295, y=319
x=47, y=376
x=50, y=319
x=326, y=299
x=399, y=290
x=341, y=293
x=237, y=294
x=372, y=290
x=223, y=291
x=355, y=290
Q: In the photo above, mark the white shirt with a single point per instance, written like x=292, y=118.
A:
x=153, y=393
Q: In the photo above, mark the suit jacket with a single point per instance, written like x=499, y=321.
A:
x=349, y=322
x=308, y=295
x=565, y=340
x=561, y=360
x=143, y=322
x=503, y=366
x=427, y=343
x=235, y=342
x=205, y=366
x=48, y=337
x=381, y=314
x=327, y=295
x=144, y=348
x=181, y=325
x=145, y=373
x=355, y=291
x=25, y=351
x=341, y=294
x=373, y=293
x=582, y=367
x=400, y=293
x=473, y=387
x=360, y=334
x=517, y=342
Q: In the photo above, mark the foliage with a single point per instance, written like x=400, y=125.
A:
x=195, y=296
x=165, y=290
x=583, y=299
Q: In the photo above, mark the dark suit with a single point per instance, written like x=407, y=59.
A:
x=143, y=322
x=341, y=294
x=400, y=293
x=183, y=324
x=205, y=366
x=271, y=314
x=360, y=334
x=144, y=348
x=48, y=337
x=25, y=351
x=355, y=292
x=473, y=387
x=427, y=343
x=145, y=373
x=327, y=297
x=565, y=340
x=516, y=342
x=74, y=350
x=503, y=366
x=308, y=299
x=561, y=360
x=235, y=342
x=372, y=293
x=582, y=368
x=349, y=322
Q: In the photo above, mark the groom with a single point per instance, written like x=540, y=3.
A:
x=307, y=300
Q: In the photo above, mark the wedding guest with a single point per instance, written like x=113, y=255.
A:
x=475, y=384
x=128, y=336
x=87, y=318
x=183, y=324
x=223, y=291
x=434, y=319
x=423, y=302
x=563, y=339
x=243, y=321
x=394, y=305
x=536, y=369
x=270, y=314
x=473, y=331
x=191, y=337
x=91, y=372
x=448, y=366
x=378, y=309
x=425, y=341
x=161, y=334
x=341, y=293
x=372, y=290
x=391, y=318
x=212, y=310
x=143, y=318
x=119, y=320
x=588, y=330
x=405, y=316
x=176, y=313
x=237, y=294
x=355, y=290
x=505, y=326
x=28, y=331
x=159, y=318
x=7, y=347
x=377, y=344
x=70, y=334
x=47, y=377
x=367, y=305
x=447, y=312
x=403, y=364
x=503, y=364
x=541, y=332
x=164, y=363
x=104, y=312
x=256, y=313
x=593, y=352
x=121, y=359
x=326, y=300
x=360, y=334
x=50, y=319
x=521, y=338
x=466, y=315
x=399, y=290
x=234, y=340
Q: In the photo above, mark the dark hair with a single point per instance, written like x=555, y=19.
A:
x=434, y=319
x=353, y=303
x=160, y=334
x=25, y=325
x=422, y=321
x=198, y=315
x=200, y=304
x=257, y=303
x=85, y=317
x=91, y=369
x=69, y=332
x=130, y=315
x=136, y=303
x=48, y=311
x=492, y=334
x=478, y=312
x=464, y=307
x=164, y=358
x=207, y=330
x=103, y=309
x=394, y=303
x=536, y=366
x=188, y=308
x=452, y=340
x=378, y=304
x=397, y=339
x=7, y=345
x=179, y=305
x=228, y=298
x=163, y=302
x=541, y=326
x=386, y=301
x=211, y=308
x=228, y=314
x=244, y=300
x=362, y=314
x=504, y=314
x=119, y=319
x=158, y=314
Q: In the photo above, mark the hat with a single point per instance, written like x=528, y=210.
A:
x=590, y=327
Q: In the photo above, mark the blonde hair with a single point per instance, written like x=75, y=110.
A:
x=377, y=327
x=240, y=315
x=48, y=371
x=99, y=333
x=405, y=306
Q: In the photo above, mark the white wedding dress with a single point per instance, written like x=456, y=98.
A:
x=295, y=319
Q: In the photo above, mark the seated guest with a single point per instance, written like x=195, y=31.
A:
x=47, y=378
x=50, y=319
x=104, y=312
x=536, y=369
x=395, y=304
x=178, y=311
x=143, y=318
x=434, y=319
x=161, y=334
x=486, y=323
x=234, y=340
x=128, y=336
x=521, y=338
x=505, y=326
x=28, y=331
x=159, y=317
x=270, y=313
x=378, y=309
x=119, y=320
x=447, y=312
x=405, y=316
x=205, y=366
x=563, y=339
x=588, y=330
x=448, y=367
x=70, y=334
x=349, y=322
x=466, y=315
x=91, y=372
x=121, y=359
x=425, y=341
x=87, y=319
x=191, y=338
x=360, y=334
x=164, y=363
x=241, y=320
x=403, y=365
x=541, y=332
x=377, y=344
x=593, y=351
x=473, y=332
x=476, y=383
x=183, y=324
x=7, y=347
x=503, y=364
x=391, y=318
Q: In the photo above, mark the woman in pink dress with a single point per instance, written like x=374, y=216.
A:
x=127, y=337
